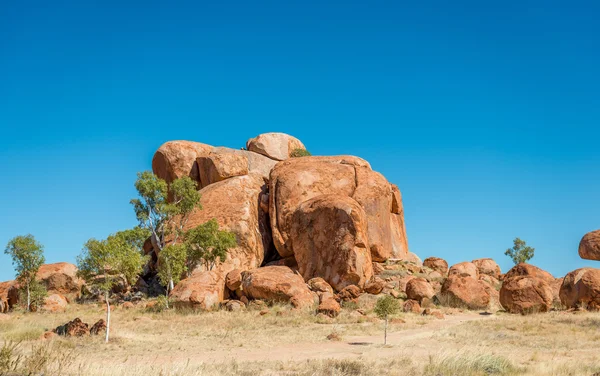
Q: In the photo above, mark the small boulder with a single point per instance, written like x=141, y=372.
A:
x=75, y=328
x=589, y=247
x=277, y=146
x=487, y=266
x=411, y=306
x=526, y=294
x=127, y=305
x=98, y=327
x=349, y=293
x=233, y=280
x=437, y=264
x=419, y=289
x=375, y=286
x=277, y=284
x=318, y=284
x=203, y=290
x=328, y=305
x=234, y=305
x=466, y=292
x=464, y=269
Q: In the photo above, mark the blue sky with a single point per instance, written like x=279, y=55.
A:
x=486, y=115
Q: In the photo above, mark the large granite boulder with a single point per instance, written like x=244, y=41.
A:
x=297, y=180
x=464, y=291
x=581, y=288
x=589, y=247
x=60, y=278
x=329, y=240
x=524, y=269
x=526, y=294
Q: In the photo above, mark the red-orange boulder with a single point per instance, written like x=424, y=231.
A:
x=437, y=264
x=277, y=284
x=581, y=288
x=465, y=291
x=329, y=240
x=464, y=269
x=488, y=266
x=419, y=289
x=589, y=247
x=525, y=294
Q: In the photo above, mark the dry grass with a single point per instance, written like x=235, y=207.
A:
x=287, y=342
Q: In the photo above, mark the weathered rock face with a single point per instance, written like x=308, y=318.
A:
x=9, y=293
x=60, y=278
x=277, y=146
x=488, y=266
x=580, y=288
x=233, y=203
x=277, y=284
x=589, y=247
x=524, y=269
x=55, y=303
x=464, y=269
x=329, y=237
x=297, y=180
x=176, y=159
x=437, y=264
x=319, y=285
x=216, y=167
x=203, y=290
x=526, y=294
x=419, y=289
x=465, y=291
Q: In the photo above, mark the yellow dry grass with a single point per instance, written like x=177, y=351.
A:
x=287, y=342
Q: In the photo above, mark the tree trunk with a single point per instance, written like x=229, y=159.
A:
x=167, y=295
x=107, y=316
x=385, y=332
x=28, y=299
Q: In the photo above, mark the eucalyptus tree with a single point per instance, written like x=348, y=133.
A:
x=27, y=256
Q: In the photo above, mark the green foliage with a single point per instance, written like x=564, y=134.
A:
x=296, y=153
x=37, y=295
x=172, y=263
x=27, y=256
x=103, y=263
x=520, y=252
x=207, y=244
x=135, y=237
x=159, y=215
x=386, y=306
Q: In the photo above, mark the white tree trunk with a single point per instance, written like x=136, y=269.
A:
x=28, y=299
x=385, y=332
x=107, y=317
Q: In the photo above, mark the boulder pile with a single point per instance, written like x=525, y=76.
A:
x=295, y=219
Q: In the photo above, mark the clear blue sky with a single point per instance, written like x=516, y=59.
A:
x=486, y=115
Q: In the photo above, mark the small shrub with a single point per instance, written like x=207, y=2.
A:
x=9, y=359
x=297, y=153
x=467, y=364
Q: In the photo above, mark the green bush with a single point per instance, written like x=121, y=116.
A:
x=296, y=153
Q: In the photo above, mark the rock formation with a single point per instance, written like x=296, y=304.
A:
x=327, y=217
x=589, y=247
x=581, y=288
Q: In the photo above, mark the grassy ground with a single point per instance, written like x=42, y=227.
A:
x=286, y=342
